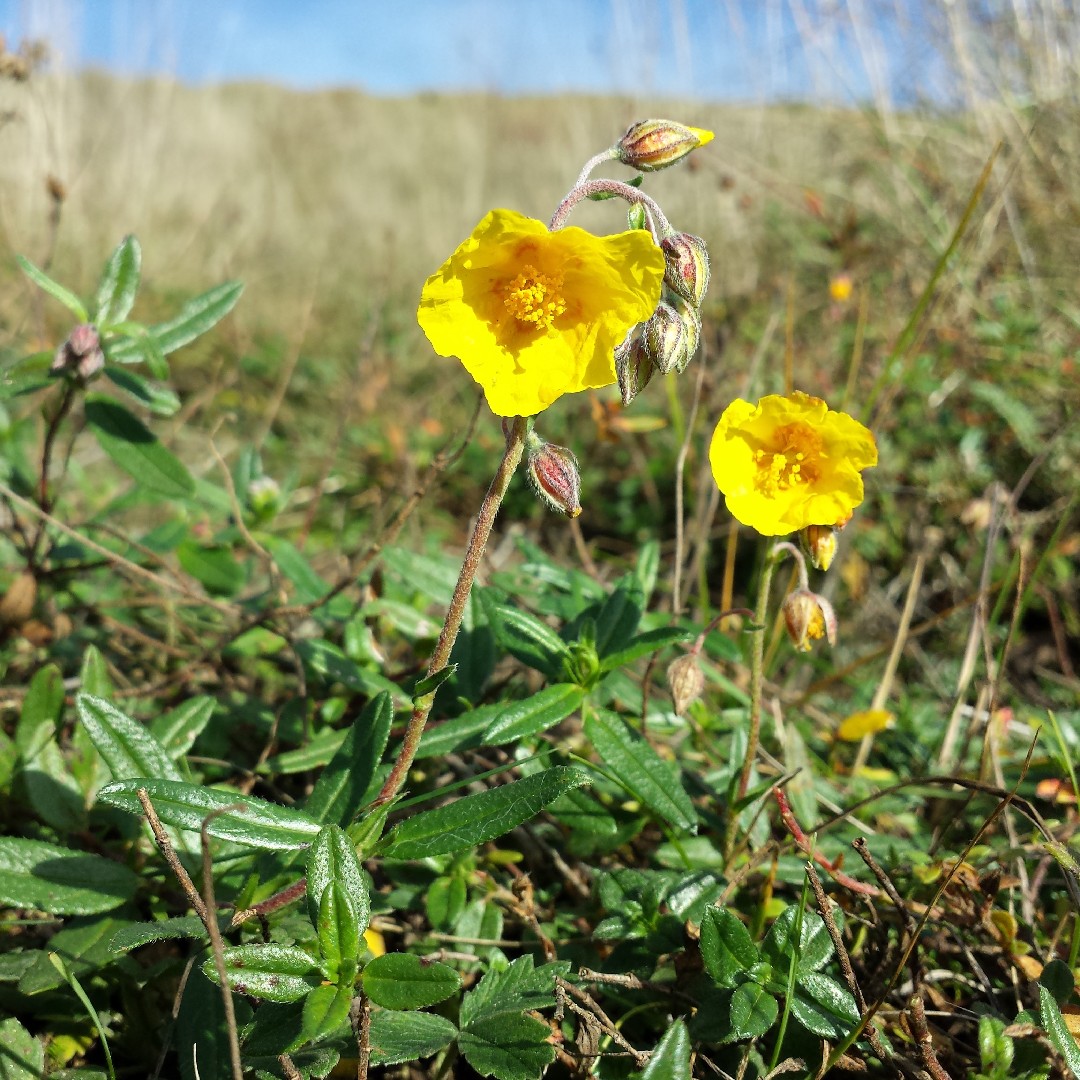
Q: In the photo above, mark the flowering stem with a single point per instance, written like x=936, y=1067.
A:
x=659, y=225
x=517, y=429
x=597, y=159
x=757, y=664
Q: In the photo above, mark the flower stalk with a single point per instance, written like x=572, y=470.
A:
x=515, y=445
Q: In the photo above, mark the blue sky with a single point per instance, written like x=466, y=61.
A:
x=752, y=50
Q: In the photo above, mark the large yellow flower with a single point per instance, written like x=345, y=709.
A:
x=789, y=462
x=534, y=314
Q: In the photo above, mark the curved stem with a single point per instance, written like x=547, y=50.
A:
x=757, y=664
x=659, y=225
x=515, y=444
x=597, y=159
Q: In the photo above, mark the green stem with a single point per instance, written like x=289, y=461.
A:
x=515, y=444
x=757, y=665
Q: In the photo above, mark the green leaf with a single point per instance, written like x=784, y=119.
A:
x=54, y=289
x=459, y=733
x=133, y=446
x=508, y=1047
x=397, y=1037
x=671, y=1058
x=332, y=859
x=34, y=874
x=22, y=1057
x=272, y=972
x=1054, y=1026
x=524, y=636
x=478, y=818
x=40, y=712
x=342, y=787
x=403, y=981
x=726, y=946
x=84, y=946
x=522, y=719
x=620, y=615
x=241, y=818
x=644, y=645
x=125, y=745
x=996, y=1049
x=814, y=947
x=637, y=765
x=339, y=935
x=143, y=933
x=201, y=1033
x=310, y=587
x=519, y=987
x=158, y=398
x=213, y=566
x=326, y=1009
x=26, y=375
x=119, y=284
x=94, y=674
x=823, y=1006
x=177, y=731
x=753, y=1011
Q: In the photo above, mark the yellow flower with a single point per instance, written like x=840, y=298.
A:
x=860, y=724
x=534, y=314
x=789, y=462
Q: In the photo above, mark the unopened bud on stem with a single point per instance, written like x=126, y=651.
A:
x=809, y=617
x=80, y=355
x=649, y=145
x=687, y=266
x=553, y=474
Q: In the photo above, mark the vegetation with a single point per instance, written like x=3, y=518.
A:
x=234, y=524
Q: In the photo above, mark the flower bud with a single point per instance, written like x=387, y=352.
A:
x=553, y=474
x=685, y=681
x=820, y=543
x=691, y=320
x=264, y=497
x=634, y=366
x=649, y=145
x=686, y=270
x=808, y=618
x=80, y=355
x=665, y=338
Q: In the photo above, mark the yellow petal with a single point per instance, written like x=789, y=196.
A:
x=858, y=725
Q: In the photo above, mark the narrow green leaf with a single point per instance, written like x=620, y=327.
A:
x=645, y=645
x=460, y=733
x=85, y=947
x=40, y=712
x=753, y=1011
x=183, y=926
x=119, y=284
x=326, y=1009
x=332, y=859
x=213, y=566
x=133, y=446
x=523, y=635
x=310, y=587
x=54, y=289
x=272, y=972
x=522, y=719
x=636, y=764
x=620, y=615
x=22, y=1056
x=342, y=787
x=404, y=981
x=34, y=874
x=241, y=818
x=671, y=1058
x=127, y=747
x=339, y=935
x=510, y=1047
x=26, y=375
x=94, y=674
x=1054, y=1025
x=177, y=731
x=158, y=398
x=726, y=946
x=397, y=1037
x=476, y=819
x=823, y=1006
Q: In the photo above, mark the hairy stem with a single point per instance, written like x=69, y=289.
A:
x=757, y=664
x=658, y=223
x=515, y=444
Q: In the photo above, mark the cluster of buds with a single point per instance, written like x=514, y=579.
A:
x=80, y=357
x=669, y=340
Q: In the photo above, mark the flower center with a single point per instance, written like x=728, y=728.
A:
x=535, y=298
x=792, y=459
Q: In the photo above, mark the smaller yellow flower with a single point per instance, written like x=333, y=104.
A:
x=534, y=314
x=840, y=287
x=860, y=724
x=789, y=462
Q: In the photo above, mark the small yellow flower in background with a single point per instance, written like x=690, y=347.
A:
x=534, y=314
x=840, y=287
x=789, y=462
x=869, y=722
x=374, y=941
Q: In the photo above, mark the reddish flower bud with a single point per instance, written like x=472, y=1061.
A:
x=808, y=618
x=691, y=320
x=553, y=474
x=634, y=366
x=665, y=338
x=649, y=145
x=687, y=266
x=80, y=355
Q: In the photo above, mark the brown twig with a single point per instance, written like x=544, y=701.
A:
x=169, y=855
